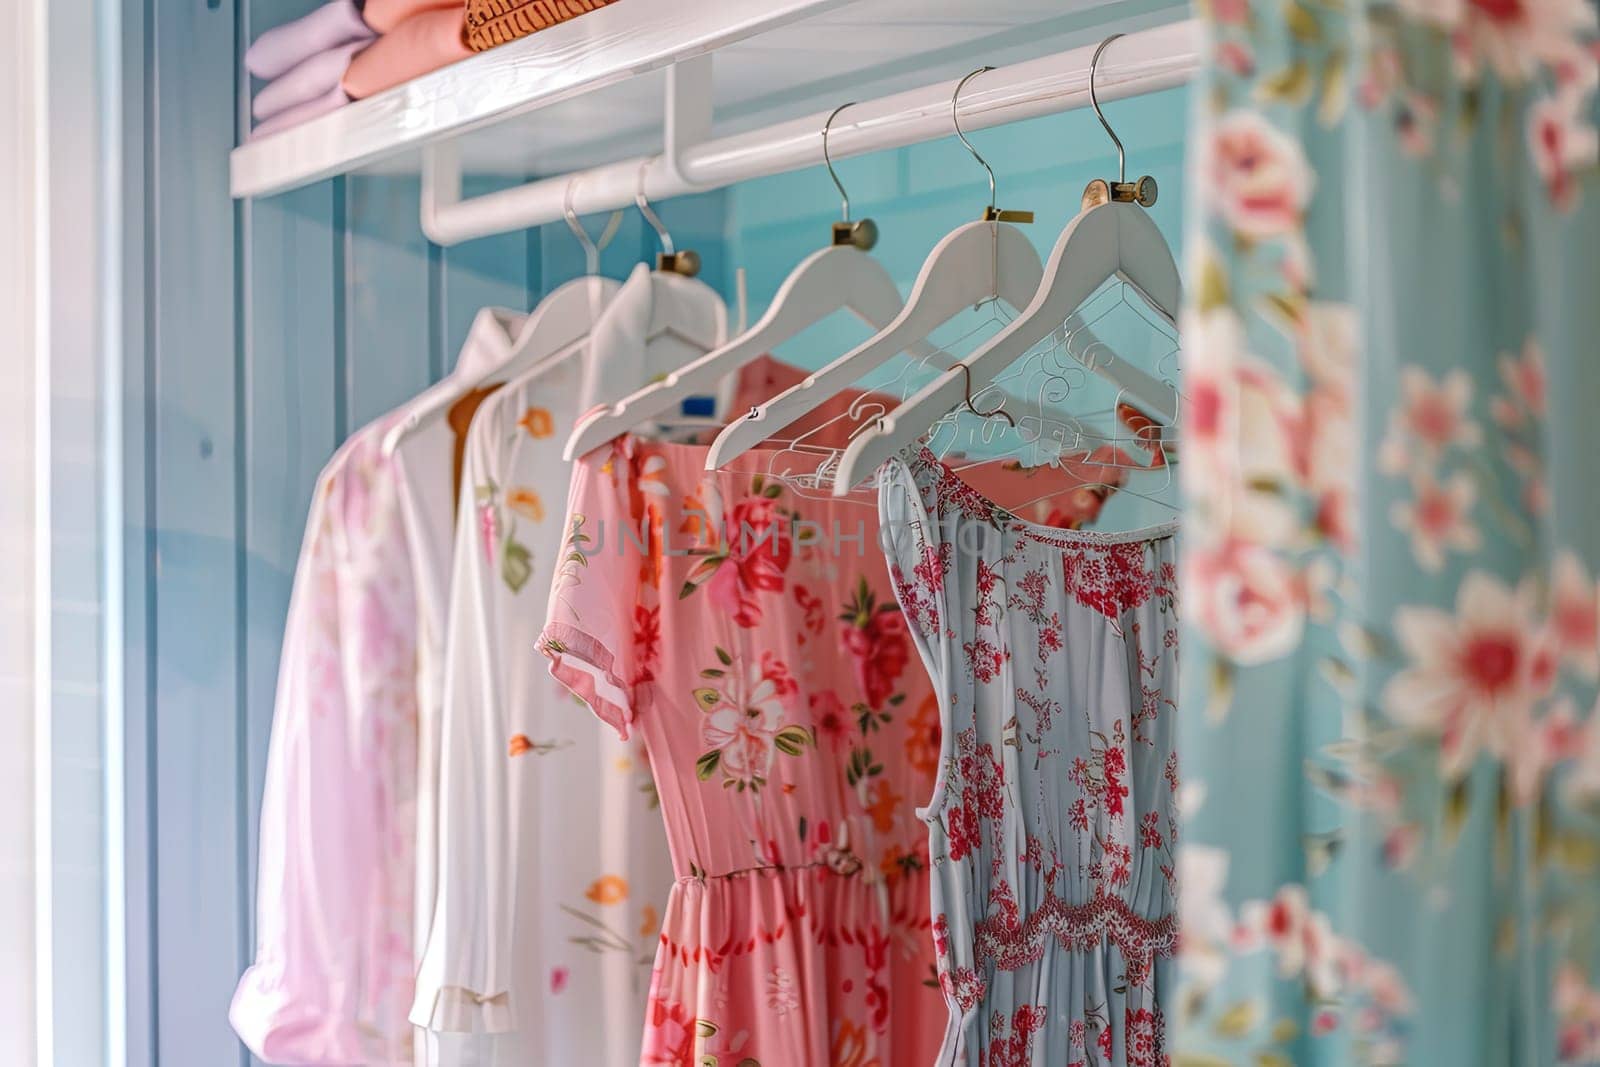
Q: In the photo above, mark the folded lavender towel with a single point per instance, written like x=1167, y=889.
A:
x=294, y=116
x=282, y=48
x=309, y=80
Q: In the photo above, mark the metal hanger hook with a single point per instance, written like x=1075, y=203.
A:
x=999, y=409
x=591, y=248
x=844, y=197
x=649, y=213
x=955, y=120
x=1094, y=102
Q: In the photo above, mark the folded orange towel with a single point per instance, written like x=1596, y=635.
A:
x=385, y=15
x=418, y=45
x=492, y=22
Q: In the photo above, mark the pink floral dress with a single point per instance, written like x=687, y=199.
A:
x=1054, y=821
x=748, y=634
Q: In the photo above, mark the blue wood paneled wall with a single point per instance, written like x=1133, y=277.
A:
x=259, y=336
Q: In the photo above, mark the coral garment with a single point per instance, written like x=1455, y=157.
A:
x=749, y=636
x=1053, y=827
x=419, y=45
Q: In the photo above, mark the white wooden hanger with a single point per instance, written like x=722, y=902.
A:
x=676, y=269
x=840, y=277
x=979, y=262
x=553, y=329
x=1112, y=236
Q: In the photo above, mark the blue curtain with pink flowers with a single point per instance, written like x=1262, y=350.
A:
x=1392, y=472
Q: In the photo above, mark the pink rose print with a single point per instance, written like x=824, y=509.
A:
x=1251, y=603
x=1561, y=142
x=1575, y=614
x=1474, y=676
x=488, y=528
x=1256, y=176
x=1439, y=518
x=743, y=725
x=759, y=550
x=1432, y=417
x=875, y=636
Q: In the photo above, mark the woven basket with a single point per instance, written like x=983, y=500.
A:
x=494, y=22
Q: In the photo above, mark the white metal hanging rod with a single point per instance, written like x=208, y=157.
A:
x=1142, y=62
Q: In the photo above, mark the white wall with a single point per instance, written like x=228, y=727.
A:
x=55, y=928
x=18, y=947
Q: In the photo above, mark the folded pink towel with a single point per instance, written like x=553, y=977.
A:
x=294, y=116
x=309, y=80
x=282, y=48
x=418, y=45
x=385, y=15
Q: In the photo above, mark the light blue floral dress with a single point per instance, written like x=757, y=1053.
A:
x=1054, y=820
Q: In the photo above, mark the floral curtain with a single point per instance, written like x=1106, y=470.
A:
x=1391, y=448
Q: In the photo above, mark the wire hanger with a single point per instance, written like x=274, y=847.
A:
x=839, y=277
x=557, y=326
x=1112, y=236
x=985, y=262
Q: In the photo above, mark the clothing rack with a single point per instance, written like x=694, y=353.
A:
x=584, y=60
x=1143, y=62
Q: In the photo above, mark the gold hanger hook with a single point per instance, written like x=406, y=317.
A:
x=1141, y=191
x=991, y=213
x=862, y=234
x=591, y=248
x=955, y=120
x=687, y=262
x=1094, y=102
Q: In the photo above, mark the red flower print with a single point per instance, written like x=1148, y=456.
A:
x=668, y=1034
x=980, y=778
x=647, y=639
x=961, y=826
x=987, y=578
x=875, y=637
x=941, y=938
x=829, y=716
x=759, y=552
x=1149, y=834
x=1029, y=598
x=930, y=571
x=1011, y=1042
x=1078, y=815
x=1116, y=766
x=810, y=610
x=1145, y=1036
x=776, y=671
x=1050, y=639
x=983, y=659
x=1103, y=1039
x=1111, y=579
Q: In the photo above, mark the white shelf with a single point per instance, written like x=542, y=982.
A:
x=590, y=90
